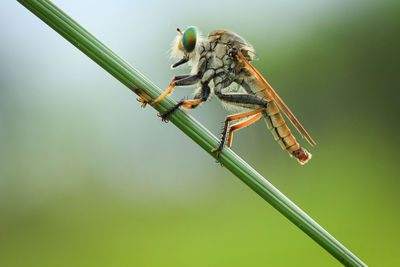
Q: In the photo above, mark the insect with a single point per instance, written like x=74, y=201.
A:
x=220, y=62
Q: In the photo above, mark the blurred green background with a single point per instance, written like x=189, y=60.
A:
x=87, y=178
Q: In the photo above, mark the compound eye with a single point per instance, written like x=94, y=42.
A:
x=189, y=39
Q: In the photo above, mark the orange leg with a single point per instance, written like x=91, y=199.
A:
x=188, y=104
x=234, y=118
x=168, y=91
x=244, y=115
x=163, y=95
x=241, y=125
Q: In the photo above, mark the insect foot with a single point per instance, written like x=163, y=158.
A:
x=217, y=151
x=163, y=117
x=141, y=100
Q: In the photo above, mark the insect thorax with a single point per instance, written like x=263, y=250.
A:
x=217, y=60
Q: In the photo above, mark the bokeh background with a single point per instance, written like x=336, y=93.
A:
x=87, y=178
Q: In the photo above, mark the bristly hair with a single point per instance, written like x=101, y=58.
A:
x=176, y=50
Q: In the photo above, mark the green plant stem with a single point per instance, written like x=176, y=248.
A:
x=142, y=86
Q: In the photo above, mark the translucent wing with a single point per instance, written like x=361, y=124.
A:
x=264, y=89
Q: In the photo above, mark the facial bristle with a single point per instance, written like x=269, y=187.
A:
x=177, y=48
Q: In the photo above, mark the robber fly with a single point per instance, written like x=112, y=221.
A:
x=222, y=60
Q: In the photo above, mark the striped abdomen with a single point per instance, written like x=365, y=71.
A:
x=276, y=124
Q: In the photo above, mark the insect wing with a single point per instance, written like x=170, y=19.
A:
x=265, y=90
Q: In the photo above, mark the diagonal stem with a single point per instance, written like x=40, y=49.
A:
x=142, y=86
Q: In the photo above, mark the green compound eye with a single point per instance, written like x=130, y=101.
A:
x=189, y=39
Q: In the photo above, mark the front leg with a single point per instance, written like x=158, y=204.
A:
x=179, y=80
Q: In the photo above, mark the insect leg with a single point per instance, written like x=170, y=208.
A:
x=180, y=77
x=236, y=126
x=184, y=80
x=179, y=80
x=240, y=125
x=190, y=104
x=201, y=94
x=244, y=100
x=188, y=80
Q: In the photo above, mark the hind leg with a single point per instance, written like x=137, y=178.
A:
x=245, y=100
